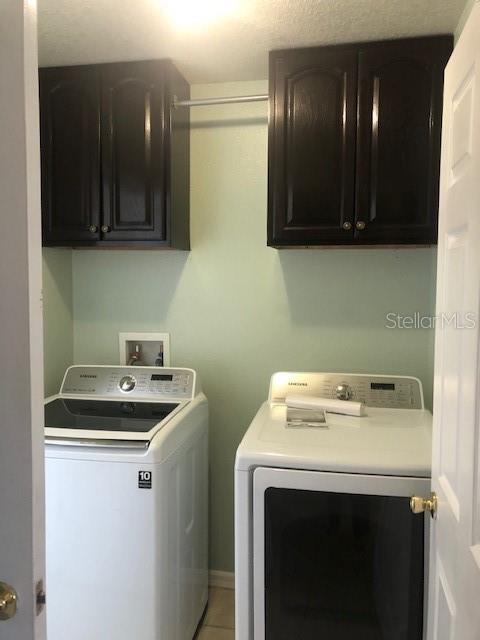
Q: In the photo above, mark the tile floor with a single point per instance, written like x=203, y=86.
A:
x=219, y=621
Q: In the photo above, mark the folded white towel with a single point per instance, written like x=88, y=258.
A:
x=331, y=405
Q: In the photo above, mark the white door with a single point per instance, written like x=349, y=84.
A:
x=21, y=361
x=454, y=607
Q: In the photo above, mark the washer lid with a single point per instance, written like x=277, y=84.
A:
x=106, y=423
x=105, y=415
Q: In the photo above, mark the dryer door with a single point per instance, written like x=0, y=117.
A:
x=337, y=556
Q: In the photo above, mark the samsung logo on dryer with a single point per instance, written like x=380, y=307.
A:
x=88, y=375
x=298, y=384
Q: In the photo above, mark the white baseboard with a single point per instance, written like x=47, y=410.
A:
x=222, y=579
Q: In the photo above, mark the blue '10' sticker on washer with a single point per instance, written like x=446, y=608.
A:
x=144, y=479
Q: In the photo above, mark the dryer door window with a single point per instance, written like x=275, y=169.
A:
x=342, y=566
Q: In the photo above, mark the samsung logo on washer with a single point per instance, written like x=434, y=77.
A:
x=87, y=375
x=298, y=384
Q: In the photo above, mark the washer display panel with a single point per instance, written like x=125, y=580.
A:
x=105, y=415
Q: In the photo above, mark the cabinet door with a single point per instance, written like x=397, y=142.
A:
x=70, y=141
x=312, y=146
x=133, y=139
x=398, y=146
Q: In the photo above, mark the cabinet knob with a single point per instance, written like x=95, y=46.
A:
x=347, y=225
x=93, y=228
x=360, y=225
x=105, y=228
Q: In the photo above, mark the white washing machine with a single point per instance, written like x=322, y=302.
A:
x=326, y=545
x=126, y=504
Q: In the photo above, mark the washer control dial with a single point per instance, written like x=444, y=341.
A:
x=344, y=392
x=127, y=383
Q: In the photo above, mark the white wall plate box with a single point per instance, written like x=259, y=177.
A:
x=150, y=345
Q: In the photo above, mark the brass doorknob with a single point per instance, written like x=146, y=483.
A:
x=420, y=505
x=105, y=228
x=93, y=228
x=346, y=226
x=8, y=601
x=360, y=225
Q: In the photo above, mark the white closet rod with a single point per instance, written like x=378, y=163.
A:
x=203, y=102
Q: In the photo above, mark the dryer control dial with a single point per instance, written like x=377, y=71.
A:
x=127, y=383
x=344, y=392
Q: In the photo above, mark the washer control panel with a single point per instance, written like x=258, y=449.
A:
x=132, y=382
x=389, y=392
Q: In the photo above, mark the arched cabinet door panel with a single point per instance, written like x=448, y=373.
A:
x=398, y=145
x=133, y=152
x=312, y=146
x=70, y=143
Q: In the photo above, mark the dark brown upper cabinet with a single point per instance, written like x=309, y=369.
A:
x=312, y=134
x=70, y=142
x=115, y=156
x=354, y=143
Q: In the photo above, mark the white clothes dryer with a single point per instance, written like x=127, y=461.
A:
x=326, y=545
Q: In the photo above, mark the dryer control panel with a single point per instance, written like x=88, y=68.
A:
x=147, y=383
x=388, y=392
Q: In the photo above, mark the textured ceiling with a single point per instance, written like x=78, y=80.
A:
x=234, y=48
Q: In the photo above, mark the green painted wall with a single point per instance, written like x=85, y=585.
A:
x=57, y=316
x=237, y=311
x=464, y=17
